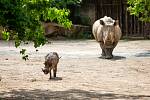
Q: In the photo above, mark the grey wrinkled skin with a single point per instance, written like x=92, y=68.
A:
x=51, y=61
x=107, y=33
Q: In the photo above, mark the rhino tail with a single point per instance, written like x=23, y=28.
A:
x=60, y=57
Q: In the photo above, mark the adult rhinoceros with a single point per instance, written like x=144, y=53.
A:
x=107, y=33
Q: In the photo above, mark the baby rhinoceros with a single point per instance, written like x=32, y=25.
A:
x=51, y=61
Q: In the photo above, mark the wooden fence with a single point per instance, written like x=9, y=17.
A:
x=117, y=9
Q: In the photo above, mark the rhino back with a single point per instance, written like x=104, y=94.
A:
x=52, y=58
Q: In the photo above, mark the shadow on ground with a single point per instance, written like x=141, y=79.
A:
x=73, y=94
x=143, y=54
x=56, y=79
x=115, y=58
x=118, y=58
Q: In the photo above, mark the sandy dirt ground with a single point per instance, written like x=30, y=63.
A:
x=82, y=74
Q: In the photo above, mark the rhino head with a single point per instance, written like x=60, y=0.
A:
x=45, y=70
x=109, y=31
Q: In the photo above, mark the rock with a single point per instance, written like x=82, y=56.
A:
x=6, y=59
x=33, y=80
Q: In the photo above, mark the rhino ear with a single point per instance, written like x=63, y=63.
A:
x=116, y=22
x=102, y=22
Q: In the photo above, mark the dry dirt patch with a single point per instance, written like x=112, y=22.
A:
x=82, y=75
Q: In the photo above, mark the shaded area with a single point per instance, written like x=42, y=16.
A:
x=114, y=58
x=73, y=94
x=118, y=58
x=143, y=54
x=55, y=79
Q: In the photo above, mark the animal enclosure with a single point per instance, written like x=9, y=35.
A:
x=117, y=9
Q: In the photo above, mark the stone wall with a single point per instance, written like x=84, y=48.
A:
x=76, y=31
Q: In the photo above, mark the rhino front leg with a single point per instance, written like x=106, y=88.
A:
x=111, y=52
x=103, y=53
x=103, y=50
x=50, y=76
x=55, y=71
x=108, y=52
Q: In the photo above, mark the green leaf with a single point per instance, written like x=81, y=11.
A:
x=140, y=8
x=23, y=51
x=25, y=57
x=5, y=35
x=23, y=18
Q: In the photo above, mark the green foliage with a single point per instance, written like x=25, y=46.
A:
x=22, y=19
x=140, y=8
x=65, y=3
x=54, y=14
x=24, y=56
x=5, y=35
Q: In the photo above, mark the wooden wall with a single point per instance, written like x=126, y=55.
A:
x=117, y=9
